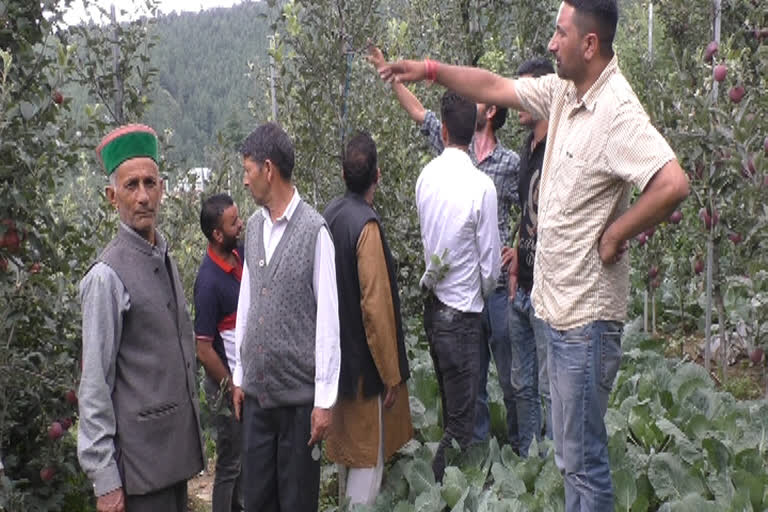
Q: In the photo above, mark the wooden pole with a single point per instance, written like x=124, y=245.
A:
x=119, y=117
x=272, y=90
x=716, y=5
x=650, y=30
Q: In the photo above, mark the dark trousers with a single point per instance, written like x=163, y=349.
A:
x=170, y=499
x=227, y=496
x=455, y=340
x=279, y=473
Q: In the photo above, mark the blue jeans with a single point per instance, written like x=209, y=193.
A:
x=583, y=363
x=526, y=334
x=495, y=314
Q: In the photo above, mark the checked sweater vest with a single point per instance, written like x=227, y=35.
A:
x=278, y=350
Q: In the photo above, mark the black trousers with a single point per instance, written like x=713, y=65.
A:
x=170, y=499
x=279, y=474
x=455, y=341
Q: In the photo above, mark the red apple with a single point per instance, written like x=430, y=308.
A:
x=641, y=239
x=47, y=473
x=653, y=272
x=735, y=238
x=58, y=98
x=720, y=71
x=71, y=397
x=707, y=219
x=757, y=355
x=711, y=50
x=35, y=268
x=736, y=93
x=698, y=266
x=655, y=283
x=10, y=238
x=676, y=217
x=66, y=423
x=55, y=431
x=650, y=231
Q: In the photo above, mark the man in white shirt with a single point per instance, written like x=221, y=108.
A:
x=459, y=229
x=287, y=333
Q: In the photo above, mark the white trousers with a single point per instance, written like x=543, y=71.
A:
x=363, y=484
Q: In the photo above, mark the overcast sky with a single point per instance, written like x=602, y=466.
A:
x=135, y=7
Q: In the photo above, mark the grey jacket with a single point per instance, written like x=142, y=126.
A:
x=139, y=422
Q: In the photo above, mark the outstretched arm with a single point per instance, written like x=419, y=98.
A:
x=478, y=85
x=407, y=99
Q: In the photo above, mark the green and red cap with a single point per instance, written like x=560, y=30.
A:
x=126, y=142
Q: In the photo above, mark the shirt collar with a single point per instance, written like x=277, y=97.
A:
x=590, y=97
x=236, y=270
x=493, y=156
x=454, y=153
x=289, y=210
x=160, y=244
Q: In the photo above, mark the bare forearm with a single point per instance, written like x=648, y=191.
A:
x=479, y=85
x=661, y=196
x=214, y=367
x=409, y=102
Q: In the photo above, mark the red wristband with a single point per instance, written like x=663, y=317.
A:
x=430, y=69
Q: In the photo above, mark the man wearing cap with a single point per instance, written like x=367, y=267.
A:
x=139, y=432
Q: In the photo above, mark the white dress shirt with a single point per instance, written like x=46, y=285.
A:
x=327, y=343
x=459, y=230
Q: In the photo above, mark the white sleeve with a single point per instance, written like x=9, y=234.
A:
x=243, y=304
x=489, y=242
x=327, y=342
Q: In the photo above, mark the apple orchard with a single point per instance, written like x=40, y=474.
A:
x=687, y=421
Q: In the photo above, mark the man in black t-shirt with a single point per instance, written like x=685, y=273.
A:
x=530, y=379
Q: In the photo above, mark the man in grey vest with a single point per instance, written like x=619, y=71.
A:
x=287, y=354
x=139, y=432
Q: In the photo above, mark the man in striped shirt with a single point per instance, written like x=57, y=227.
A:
x=600, y=143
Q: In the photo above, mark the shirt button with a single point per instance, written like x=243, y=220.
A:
x=263, y=291
x=261, y=320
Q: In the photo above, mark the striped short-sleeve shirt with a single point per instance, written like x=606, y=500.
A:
x=597, y=148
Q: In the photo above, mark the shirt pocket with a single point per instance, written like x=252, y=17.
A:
x=159, y=411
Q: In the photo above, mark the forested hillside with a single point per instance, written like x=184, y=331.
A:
x=201, y=87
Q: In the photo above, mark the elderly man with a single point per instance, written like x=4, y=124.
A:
x=139, y=431
x=600, y=143
x=372, y=419
x=287, y=334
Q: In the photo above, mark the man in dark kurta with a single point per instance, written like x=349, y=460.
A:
x=372, y=418
x=139, y=432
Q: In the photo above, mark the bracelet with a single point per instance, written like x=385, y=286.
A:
x=430, y=68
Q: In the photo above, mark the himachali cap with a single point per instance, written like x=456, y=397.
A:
x=126, y=142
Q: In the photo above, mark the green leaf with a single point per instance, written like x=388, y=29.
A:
x=690, y=503
x=429, y=501
x=671, y=479
x=454, y=484
x=625, y=489
x=506, y=482
x=420, y=477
